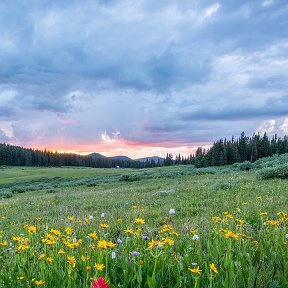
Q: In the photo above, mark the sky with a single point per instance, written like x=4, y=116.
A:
x=141, y=78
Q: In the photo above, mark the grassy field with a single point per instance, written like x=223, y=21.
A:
x=229, y=228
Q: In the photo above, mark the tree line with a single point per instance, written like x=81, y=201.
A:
x=222, y=152
x=11, y=155
x=228, y=152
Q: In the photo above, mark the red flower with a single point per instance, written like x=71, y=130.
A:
x=100, y=283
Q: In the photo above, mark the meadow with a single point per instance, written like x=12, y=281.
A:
x=164, y=227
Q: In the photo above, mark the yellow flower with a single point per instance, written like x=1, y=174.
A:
x=41, y=256
x=93, y=235
x=39, y=282
x=16, y=239
x=4, y=243
x=139, y=221
x=168, y=241
x=31, y=229
x=99, y=267
x=131, y=232
x=49, y=259
x=119, y=219
x=83, y=258
x=70, y=218
x=195, y=270
x=69, y=230
x=88, y=268
x=38, y=219
x=213, y=268
x=231, y=234
x=20, y=278
x=104, y=225
x=216, y=219
x=55, y=232
x=155, y=243
x=72, y=261
x=61, y=251
x=273, y=222
x=166, y=228
x=263, y=213
x=102, y=244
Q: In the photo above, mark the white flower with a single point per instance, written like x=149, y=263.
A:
x=90, y=217
x=286, y=236
x=113, y=255
x=103, y=215
x=74, y=239
x=172, y=211
x=195, y=237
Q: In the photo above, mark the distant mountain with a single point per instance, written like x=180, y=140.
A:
x=155, y=158
x=96, y=155
x=124, y=158
x=120, y=157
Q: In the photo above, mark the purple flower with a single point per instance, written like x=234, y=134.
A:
x=135, y=253
x=119, y=241
x=145, y=237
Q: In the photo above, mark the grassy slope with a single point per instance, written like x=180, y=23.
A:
x=28, y=174
x=196, y=199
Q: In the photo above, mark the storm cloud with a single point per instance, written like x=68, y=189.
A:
x=143, y=73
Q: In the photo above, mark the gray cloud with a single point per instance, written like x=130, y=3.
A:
x=157, y=72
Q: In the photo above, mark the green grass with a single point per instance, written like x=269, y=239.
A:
x=196, y=195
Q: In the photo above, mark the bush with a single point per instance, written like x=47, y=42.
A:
x=5, y=193
x=280, y=171
x=129, y=177
x=245, y=166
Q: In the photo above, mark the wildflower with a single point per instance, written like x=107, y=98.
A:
x=61, y=251
x=166, y=228
x=155, y=243
x=90, y=217
x=93, y=235
x=38, y=219
x=20, y=278
x=113, y=255
x=273, y=222
x=172, y=212
x=213, y=268
x=139, y=221
x=196, y=271
x=55, y=232
x=286, y=236
x=104, y=225
x=216, y=219
x=72, y=261
x=41, y=256
x=119, y=219
x=135, y=253
x=195, y=237
x=69, y=230
x=263, y=214
x=231, y=234
x=99, y=267
x=100, y=283
x=70, y=218
x=102, y=215
x=49, y=259
x=88, y=268
x=16, y=239
x=39, y=282
x=119, y=241
x=31, y=229
x=145, y=237
x=168, y=241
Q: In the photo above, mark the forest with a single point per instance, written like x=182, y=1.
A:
x=222, y=152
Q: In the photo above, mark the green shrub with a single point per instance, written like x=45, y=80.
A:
x=5, y=193
x=280, y=171
x=245, y=166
